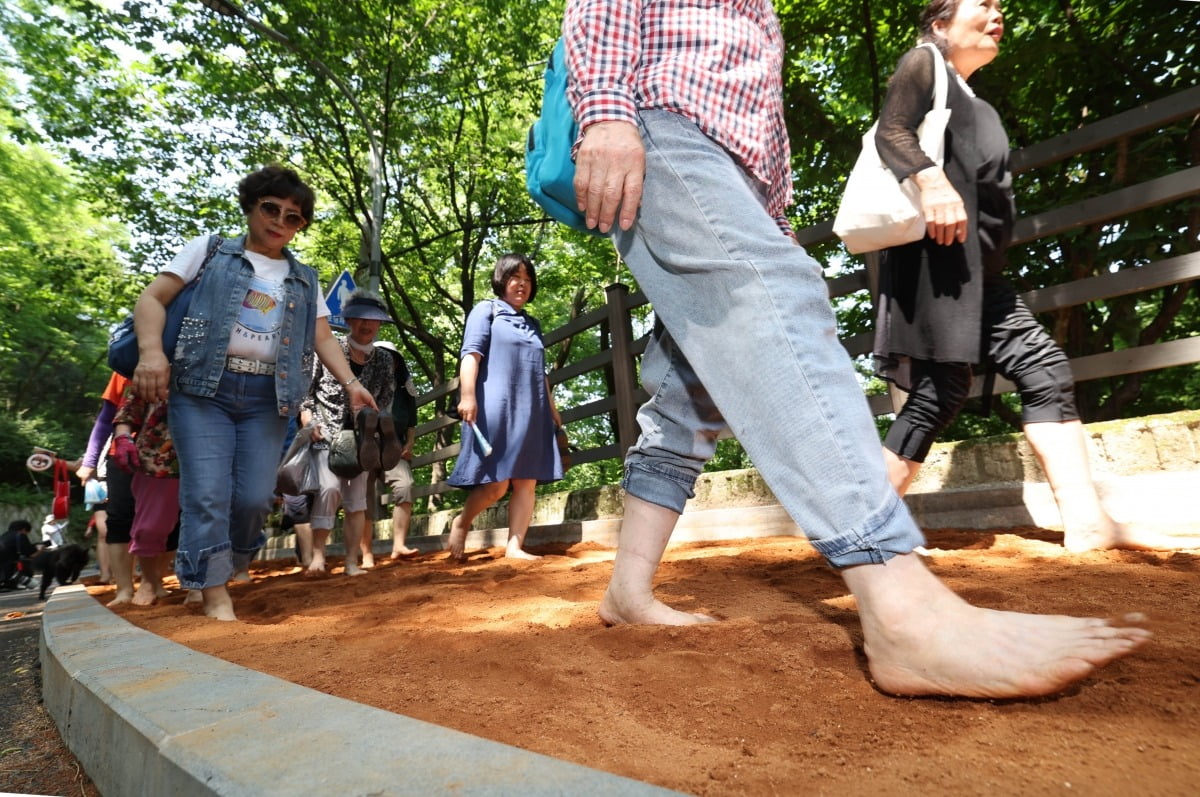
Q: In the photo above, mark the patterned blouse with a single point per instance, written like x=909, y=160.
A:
x=326, y=397
x=151, y=435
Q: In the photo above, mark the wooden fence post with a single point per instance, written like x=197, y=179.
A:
x=620, y=328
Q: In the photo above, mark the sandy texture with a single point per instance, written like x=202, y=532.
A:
x=775, y=700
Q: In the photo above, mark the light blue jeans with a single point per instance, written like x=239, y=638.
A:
x=747, y=338
x=229, y=449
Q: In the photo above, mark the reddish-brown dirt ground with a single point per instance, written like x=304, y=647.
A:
x=774, y=700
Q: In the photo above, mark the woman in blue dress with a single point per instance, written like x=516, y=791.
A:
x=504, y=393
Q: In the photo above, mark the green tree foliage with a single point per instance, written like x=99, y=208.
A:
x=164, y=105
x=61, y=287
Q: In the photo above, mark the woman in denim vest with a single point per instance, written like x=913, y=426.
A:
x=237, y=375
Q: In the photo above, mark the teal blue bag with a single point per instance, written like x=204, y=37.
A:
x=549, y=169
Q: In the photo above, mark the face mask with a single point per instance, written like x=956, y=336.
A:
x=362, y=348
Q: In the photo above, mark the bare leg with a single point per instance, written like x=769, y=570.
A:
x=304, y=542
x=900, y=471
x=352, y=527
x=217, y=603
x=922, y=639
x=520, y=513
x=479, y=499
x=645, y=532
x=368, y=538
x=401, y=518
x=316, y=565
x=1061, y=449
x=147, y=591
x=101, y=517
x=164, y=565
x=121, y=562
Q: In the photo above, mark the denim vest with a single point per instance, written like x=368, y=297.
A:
x=204, y=337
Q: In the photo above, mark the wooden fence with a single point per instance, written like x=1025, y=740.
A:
x=619, y=349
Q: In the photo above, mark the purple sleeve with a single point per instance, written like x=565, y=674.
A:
x=100, y=432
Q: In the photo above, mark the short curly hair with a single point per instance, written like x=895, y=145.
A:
x=278, y=181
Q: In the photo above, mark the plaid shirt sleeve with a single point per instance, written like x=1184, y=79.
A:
x=603, y=46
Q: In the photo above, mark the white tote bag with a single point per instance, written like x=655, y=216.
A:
x=876, y=210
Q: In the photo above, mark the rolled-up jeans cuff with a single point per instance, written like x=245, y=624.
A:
x=209, y=567
x=887, y=534
x=241, y=558
x=659, y=484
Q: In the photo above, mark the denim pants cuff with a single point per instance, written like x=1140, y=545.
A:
x=210, y=567
x=661, y=486
x=890, y=532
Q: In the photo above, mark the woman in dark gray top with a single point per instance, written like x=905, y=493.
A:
x=944, y=305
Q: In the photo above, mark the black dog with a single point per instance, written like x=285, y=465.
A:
x=63, y=563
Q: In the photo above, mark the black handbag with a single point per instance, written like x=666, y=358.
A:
x=343, y=454
x=123, y=344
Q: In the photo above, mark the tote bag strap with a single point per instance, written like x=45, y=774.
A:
x=940, y=85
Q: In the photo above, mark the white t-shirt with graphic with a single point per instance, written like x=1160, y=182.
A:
x=256, y=331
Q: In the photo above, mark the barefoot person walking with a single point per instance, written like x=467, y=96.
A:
x=684, y=160
x=945, y=305
x=504, y=393
x=238, y=375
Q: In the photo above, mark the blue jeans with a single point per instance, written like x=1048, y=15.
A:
x=748, y=339
x=229, y=449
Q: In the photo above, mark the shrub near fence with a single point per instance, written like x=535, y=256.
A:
x=619, y=349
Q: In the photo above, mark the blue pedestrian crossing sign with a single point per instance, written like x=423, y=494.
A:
x=335, y=300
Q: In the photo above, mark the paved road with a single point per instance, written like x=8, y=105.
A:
x=33, y=758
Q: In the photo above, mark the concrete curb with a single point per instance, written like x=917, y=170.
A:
x=146, y=716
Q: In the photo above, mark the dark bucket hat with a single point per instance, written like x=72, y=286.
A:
x=366, y=306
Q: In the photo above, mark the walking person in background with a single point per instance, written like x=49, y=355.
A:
x=945, y=305
x=683, y=158
x=325, y=407
x=154, y=467
x=238, y=375
x=399, y=478
x=504, y=393
x=95, y=466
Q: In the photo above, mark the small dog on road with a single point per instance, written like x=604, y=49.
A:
x=63, y=563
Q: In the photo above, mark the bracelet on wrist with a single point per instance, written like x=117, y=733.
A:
x=350, y=381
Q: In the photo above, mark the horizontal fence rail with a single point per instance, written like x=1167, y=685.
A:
x=619, y=350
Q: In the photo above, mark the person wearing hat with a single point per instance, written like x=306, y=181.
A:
x=325, y=408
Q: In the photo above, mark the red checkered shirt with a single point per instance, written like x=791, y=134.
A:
x=717, y=63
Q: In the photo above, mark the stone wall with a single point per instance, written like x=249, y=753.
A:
x=1147, y=469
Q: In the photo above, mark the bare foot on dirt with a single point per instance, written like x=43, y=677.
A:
x=513, y=550
x=1112, y=534
x=145, y=595
x=316, y=567
x=123, y=598
x=922, y=639
x=368, y=561
x=618, y=609
x=160, y=591
x=241, y=577
x=458, y=540
x=194, y=599
x=403, y=552
x=352, y=569
x=217, y=603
